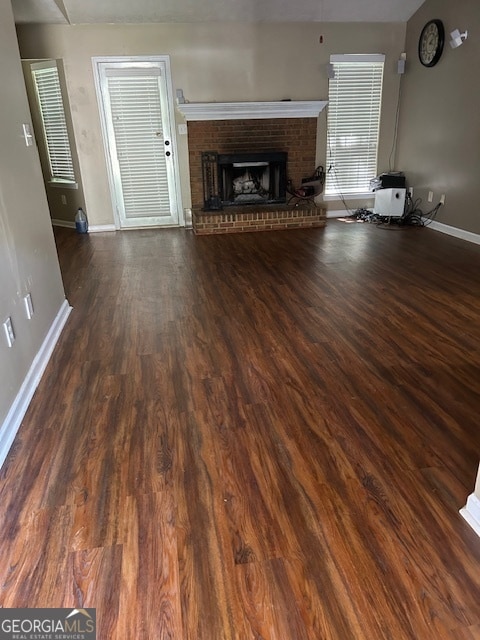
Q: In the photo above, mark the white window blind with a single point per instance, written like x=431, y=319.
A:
x=354, y=106
x=136, y=108
x=50, y=102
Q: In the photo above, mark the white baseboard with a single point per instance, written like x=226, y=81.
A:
x=340, y=213
x=98, y=228
x=94, y=228
x=63, y=223
x=453, y=231
x=12, y=422
x=471, y=513
x=436, y=226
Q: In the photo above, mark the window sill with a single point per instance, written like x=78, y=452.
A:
x=63, y=184
x=349, y=196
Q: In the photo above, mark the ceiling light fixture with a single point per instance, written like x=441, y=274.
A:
x=457, y=38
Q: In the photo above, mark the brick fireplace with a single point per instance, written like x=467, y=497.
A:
x=293, y=135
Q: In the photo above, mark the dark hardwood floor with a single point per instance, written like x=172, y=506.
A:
x=255, y=437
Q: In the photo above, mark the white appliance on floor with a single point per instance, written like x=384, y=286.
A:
x=390, y=202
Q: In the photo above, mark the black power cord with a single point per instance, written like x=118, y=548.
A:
x=412, y=216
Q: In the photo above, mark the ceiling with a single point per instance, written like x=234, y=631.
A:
x=143, y=11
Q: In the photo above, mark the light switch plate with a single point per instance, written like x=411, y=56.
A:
x=27, y=134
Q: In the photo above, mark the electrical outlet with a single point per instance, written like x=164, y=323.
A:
x=9, y=332
x=442, y=199
x=410, y=191
x=27, y=300
x=64, y=199
x=430, y=196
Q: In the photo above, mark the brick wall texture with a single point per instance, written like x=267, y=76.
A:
x=296, y=136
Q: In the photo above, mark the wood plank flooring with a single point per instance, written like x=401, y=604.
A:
x=255, y=437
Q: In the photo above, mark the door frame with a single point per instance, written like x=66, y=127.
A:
x=165, y=59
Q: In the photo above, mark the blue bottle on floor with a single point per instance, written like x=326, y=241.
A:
x=81, y=222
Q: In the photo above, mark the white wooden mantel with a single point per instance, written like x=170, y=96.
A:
x=251, y=110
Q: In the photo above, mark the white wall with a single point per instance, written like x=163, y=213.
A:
x=28, y=258
x=211, y=63
x=471, y=511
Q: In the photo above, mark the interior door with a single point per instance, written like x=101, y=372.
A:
x=137, y=121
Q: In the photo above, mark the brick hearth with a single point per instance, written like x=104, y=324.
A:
x=265, y=218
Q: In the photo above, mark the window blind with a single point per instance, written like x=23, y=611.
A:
x=353, y=123
x=136, y=108
x=50, y=101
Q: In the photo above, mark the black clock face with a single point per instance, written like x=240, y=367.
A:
x=430, y=44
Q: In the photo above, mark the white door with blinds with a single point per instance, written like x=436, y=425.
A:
x=135, y=100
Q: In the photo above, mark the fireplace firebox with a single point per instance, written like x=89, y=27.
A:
x=252, y=178
x=237, y=179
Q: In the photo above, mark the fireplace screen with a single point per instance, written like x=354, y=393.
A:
x=252, y=178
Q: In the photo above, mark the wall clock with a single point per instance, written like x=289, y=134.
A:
x=430, y=43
